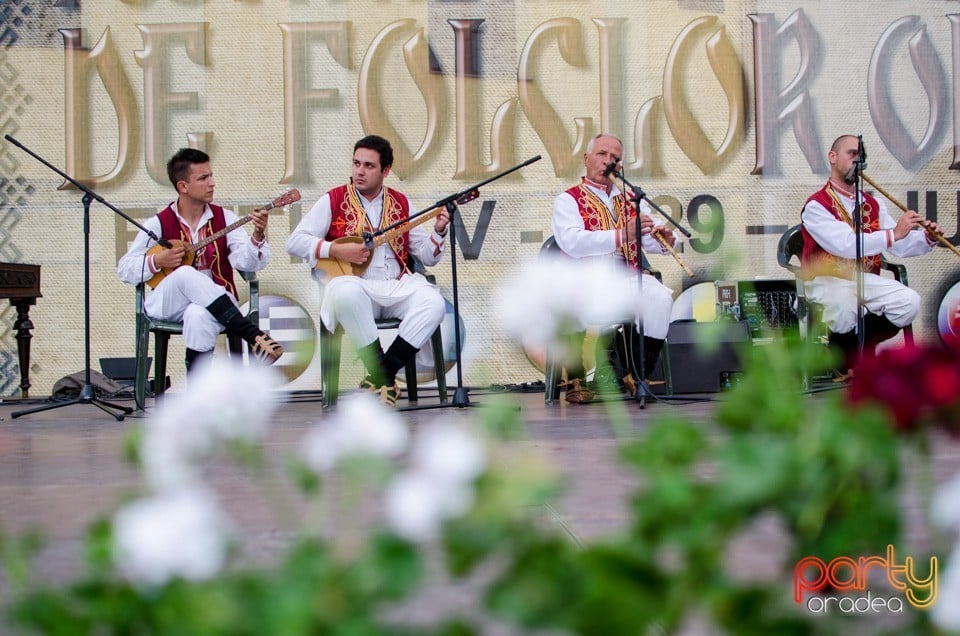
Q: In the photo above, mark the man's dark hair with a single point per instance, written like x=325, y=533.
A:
x=379, y=145
x=178, y=168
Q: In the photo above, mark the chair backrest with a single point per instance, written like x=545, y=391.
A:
x=416, y=265
x=550, y=248
x=791, y=245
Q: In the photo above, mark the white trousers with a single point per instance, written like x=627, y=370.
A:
x=883, y=296
x=354, y=303
x=184, y=296
x=656, y=303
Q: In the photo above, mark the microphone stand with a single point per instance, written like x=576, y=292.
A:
x=859, y=164
x=461, y=398
x=643, y=391
x=87, y=394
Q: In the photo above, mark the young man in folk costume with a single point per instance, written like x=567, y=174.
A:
x=829, y=253
x=386, y=288
x=203, y=297
x=593, y=220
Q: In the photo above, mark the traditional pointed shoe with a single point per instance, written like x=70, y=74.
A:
x=389, y=395
x=630, y=384
x=577, y=392
x=266, y=349
x=840, y=377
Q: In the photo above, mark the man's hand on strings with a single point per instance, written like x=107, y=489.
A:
x=259, y=219
x=170, y=258
x=440, y=225
x=356, y=253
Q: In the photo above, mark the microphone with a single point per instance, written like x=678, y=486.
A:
x=860, y=163
x=610, y=169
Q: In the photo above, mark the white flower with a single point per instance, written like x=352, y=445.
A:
x=945, y=509
x=171, y=460
x=413, y=508
x=417, y=504
x=946, y=611
x=361, y=426
x=448, y=452
x=438, y=484
x=178, y=533
x=232, y=401
x=223, y=401
x=549, y=296
x=526, y=308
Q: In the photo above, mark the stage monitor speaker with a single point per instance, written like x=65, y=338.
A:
x=704, y=356
x=122, y=370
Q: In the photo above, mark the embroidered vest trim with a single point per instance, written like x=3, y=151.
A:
x=816, y=261
x=214, y=254
x=597, y=217
x=350, y=219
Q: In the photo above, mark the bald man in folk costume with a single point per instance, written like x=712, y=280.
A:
x=595, y=220
x=829, y=253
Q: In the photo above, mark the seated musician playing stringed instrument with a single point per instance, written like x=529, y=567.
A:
x=362, y=282
x=204, y=296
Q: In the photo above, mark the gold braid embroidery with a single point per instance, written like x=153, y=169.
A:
x=354, y=199
x=871, y=262
x=388, y=216
x=606, y=219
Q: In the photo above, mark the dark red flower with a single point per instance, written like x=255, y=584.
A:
x=912, y=382
x=941, y=382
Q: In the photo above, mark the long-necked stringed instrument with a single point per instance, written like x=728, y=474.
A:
x=333, y=267
x=191, y=249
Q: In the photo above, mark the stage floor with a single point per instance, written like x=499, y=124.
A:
x=63, y=468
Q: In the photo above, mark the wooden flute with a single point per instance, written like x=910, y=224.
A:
x=925, y=224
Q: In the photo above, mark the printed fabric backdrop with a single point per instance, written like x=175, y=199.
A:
x=727, y=110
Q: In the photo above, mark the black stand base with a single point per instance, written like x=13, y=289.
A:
x=461, y=399
x=643, y=393
x=87, y=396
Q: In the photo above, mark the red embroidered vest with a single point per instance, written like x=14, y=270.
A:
x=816, y=261
x=349, y=218
x=214, y=254
x=596, y=216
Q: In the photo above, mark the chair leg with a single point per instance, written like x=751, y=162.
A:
x=411, y=375
x=551, y=379
x=908, y=335
x=142, y=355
x=160, y=346
x=439, y=367
x=665, y=365
x=329, y=365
